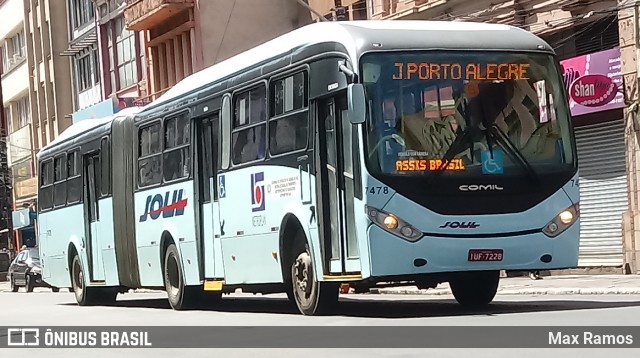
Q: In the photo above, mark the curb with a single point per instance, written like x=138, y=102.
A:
x=526, y=291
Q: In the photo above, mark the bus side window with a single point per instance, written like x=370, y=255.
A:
x=149, y=155
x=289, y=122
x=176, y=160
x=105, y=172
x=45, y=197
x=74, y=181
x=59, y=177
x=249, y=125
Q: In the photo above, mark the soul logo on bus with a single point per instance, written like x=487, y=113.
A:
x=159, y=204
x=460, y=225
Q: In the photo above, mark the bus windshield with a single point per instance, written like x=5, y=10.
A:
x=466, y=113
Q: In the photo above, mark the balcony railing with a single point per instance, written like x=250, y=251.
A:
x=145, y=14
x=143, y=101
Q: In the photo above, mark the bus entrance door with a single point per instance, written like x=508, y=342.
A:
x=336, y=187
x=92, y=216
x=209, y=211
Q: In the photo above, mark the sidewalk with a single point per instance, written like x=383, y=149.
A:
x=550, y=285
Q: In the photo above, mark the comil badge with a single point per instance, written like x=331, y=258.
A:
x=257, y=192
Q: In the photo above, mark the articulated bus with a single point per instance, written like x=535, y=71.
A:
x=360, y=153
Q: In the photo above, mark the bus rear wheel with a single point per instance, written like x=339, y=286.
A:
x=180, y=296
x=88, y=296
x=475, y=289
x=311, y=296
x=78, y=283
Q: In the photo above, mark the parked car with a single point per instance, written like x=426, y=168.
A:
x=25, y=271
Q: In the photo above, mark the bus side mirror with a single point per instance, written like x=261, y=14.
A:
x=356, y=103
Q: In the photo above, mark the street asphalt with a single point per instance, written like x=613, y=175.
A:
x=44, y=308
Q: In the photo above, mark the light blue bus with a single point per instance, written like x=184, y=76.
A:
x=344, y=152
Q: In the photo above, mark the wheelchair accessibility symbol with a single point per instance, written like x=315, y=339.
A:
x=222, y=191
x=492, y=164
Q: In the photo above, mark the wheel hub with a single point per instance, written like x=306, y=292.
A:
x=302, y=266
x=79, y=279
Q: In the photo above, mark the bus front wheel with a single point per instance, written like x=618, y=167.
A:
x=311, y=296
x=475, y=289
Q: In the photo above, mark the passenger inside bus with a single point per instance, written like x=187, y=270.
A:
x=285, y=136
x=249, y=144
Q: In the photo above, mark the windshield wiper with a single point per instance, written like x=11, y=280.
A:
x=464, y=136
x=492, y=131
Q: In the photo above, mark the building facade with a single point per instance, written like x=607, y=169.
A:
x=106, y=58
x=16, y=104
x=35, y=87
x=340, y=10
x=6, y=197
x=82, y=51
x=183, y=37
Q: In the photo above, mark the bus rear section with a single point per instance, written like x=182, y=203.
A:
x=470, y=168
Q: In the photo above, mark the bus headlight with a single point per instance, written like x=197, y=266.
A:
x=393, y=224
x=562, y=221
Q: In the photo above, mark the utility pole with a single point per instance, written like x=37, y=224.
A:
x=6, y=202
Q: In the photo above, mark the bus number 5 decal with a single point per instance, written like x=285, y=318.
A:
x=377, y=189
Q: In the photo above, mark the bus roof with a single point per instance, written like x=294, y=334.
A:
x=78, y=129
x=356, y=35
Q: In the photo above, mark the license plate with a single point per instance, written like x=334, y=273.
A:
x=485, y=255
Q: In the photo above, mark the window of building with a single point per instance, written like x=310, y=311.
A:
x=289, y=122
x=122, y=55
x=126, y=54
x=149, y=155
x=83, y=12
x=24, y=114
x=176, y=158
x=249, y=125
x=13, y=50
x=87, y=69
x=8, y=118
x=359, y=10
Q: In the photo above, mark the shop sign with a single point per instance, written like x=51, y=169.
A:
x=594, y=82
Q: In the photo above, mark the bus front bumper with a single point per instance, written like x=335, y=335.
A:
x=393, y=256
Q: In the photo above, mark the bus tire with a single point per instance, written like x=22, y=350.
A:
x=475, y=289
x=311, y=296
x=78, y=283
x=180, y=296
